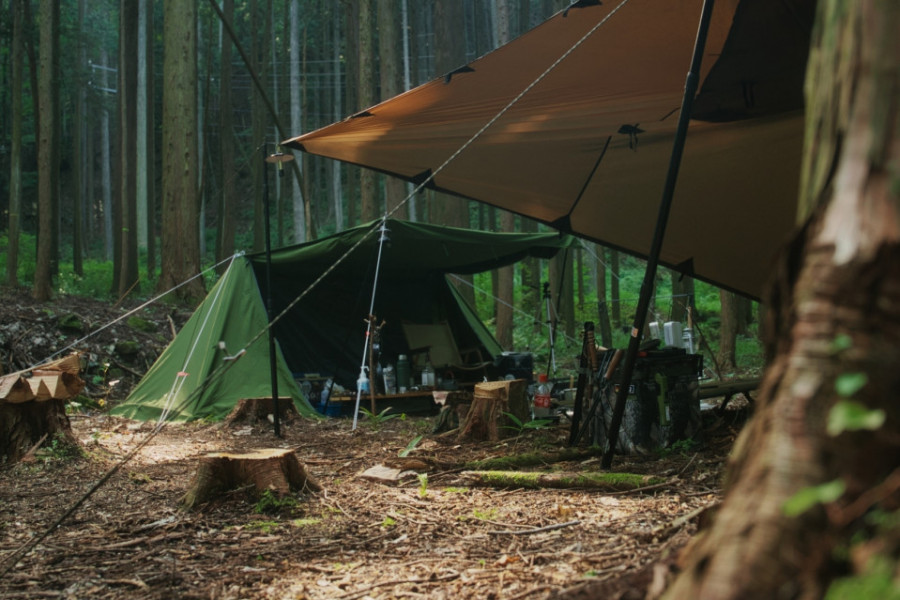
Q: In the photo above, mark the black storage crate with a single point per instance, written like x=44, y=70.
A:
x=663, y=404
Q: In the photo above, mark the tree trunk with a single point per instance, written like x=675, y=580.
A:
x=336, y=184
x=606, y=339
x=296, y=99
x=835, y=309
x=615, y=298
x=78, y=156
x=48, y=150
x=391, y=85
x=127, y=268
x=505, y=290
x=15, y=158
x=368, y=209
x=228, y=194
x=727, y=332
x=180, y=248
x=150, y=149
x=106, y=166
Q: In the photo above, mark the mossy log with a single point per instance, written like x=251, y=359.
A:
x=603, y=482
x=276, y=470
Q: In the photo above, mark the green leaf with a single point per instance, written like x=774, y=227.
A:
x=806, y=498
x=514, y=419
x=410, y=446
x=840, y=343
x=849, y=383
x=848, y=415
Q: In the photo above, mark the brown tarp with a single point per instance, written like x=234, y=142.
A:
x=586, y=148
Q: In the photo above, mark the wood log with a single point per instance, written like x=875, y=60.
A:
x=486, y=419
x=605, y=482
x=274, y=469
x=257, y=410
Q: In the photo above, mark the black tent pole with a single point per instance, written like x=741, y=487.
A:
x=640, y=317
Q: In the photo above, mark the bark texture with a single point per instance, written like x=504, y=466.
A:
x=835, y=309
x=491, y=402
x=270, y=469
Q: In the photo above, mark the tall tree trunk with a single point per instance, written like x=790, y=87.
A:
x=15, y=158
x=128, y=125
x=337, y=193
x=615, y=297
x=368, y=208
x=106, y=164
x=48, y=150
x=727, y=332
x=297, y=121
x=150, y=128
x=258, y=52
x=391, y=85
x=228, y=193
x=142, y=107
x=78, y=156
x=835, y=312
x=180, y=248
x=602, y=304
x=505, y=292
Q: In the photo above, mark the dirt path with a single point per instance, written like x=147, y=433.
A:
x=357, y=539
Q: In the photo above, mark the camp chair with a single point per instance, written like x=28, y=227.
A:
x=436, y=342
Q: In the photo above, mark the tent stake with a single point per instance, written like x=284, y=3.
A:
x=665, y=205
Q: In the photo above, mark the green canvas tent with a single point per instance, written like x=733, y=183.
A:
x=193, y=377
x=324, y=331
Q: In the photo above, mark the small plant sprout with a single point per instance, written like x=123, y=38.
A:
x=519, y=427
x=376, y=420
x=410, y=446
x=423, y=485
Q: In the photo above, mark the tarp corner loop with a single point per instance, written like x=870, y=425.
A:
x=462, y=69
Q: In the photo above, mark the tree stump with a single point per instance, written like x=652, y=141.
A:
x=274, y=469
x=257, y=410
x=486, y=419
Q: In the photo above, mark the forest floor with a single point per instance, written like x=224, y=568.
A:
x=438, y=536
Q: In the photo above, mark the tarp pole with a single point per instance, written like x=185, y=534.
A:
x=640, y=317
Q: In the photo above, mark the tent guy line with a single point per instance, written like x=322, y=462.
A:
x=129, y=313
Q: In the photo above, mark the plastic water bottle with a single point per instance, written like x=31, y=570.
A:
x=542, y=398
x=428, y=376
x=390, y=379
x=403, y=373
x=362, y=384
